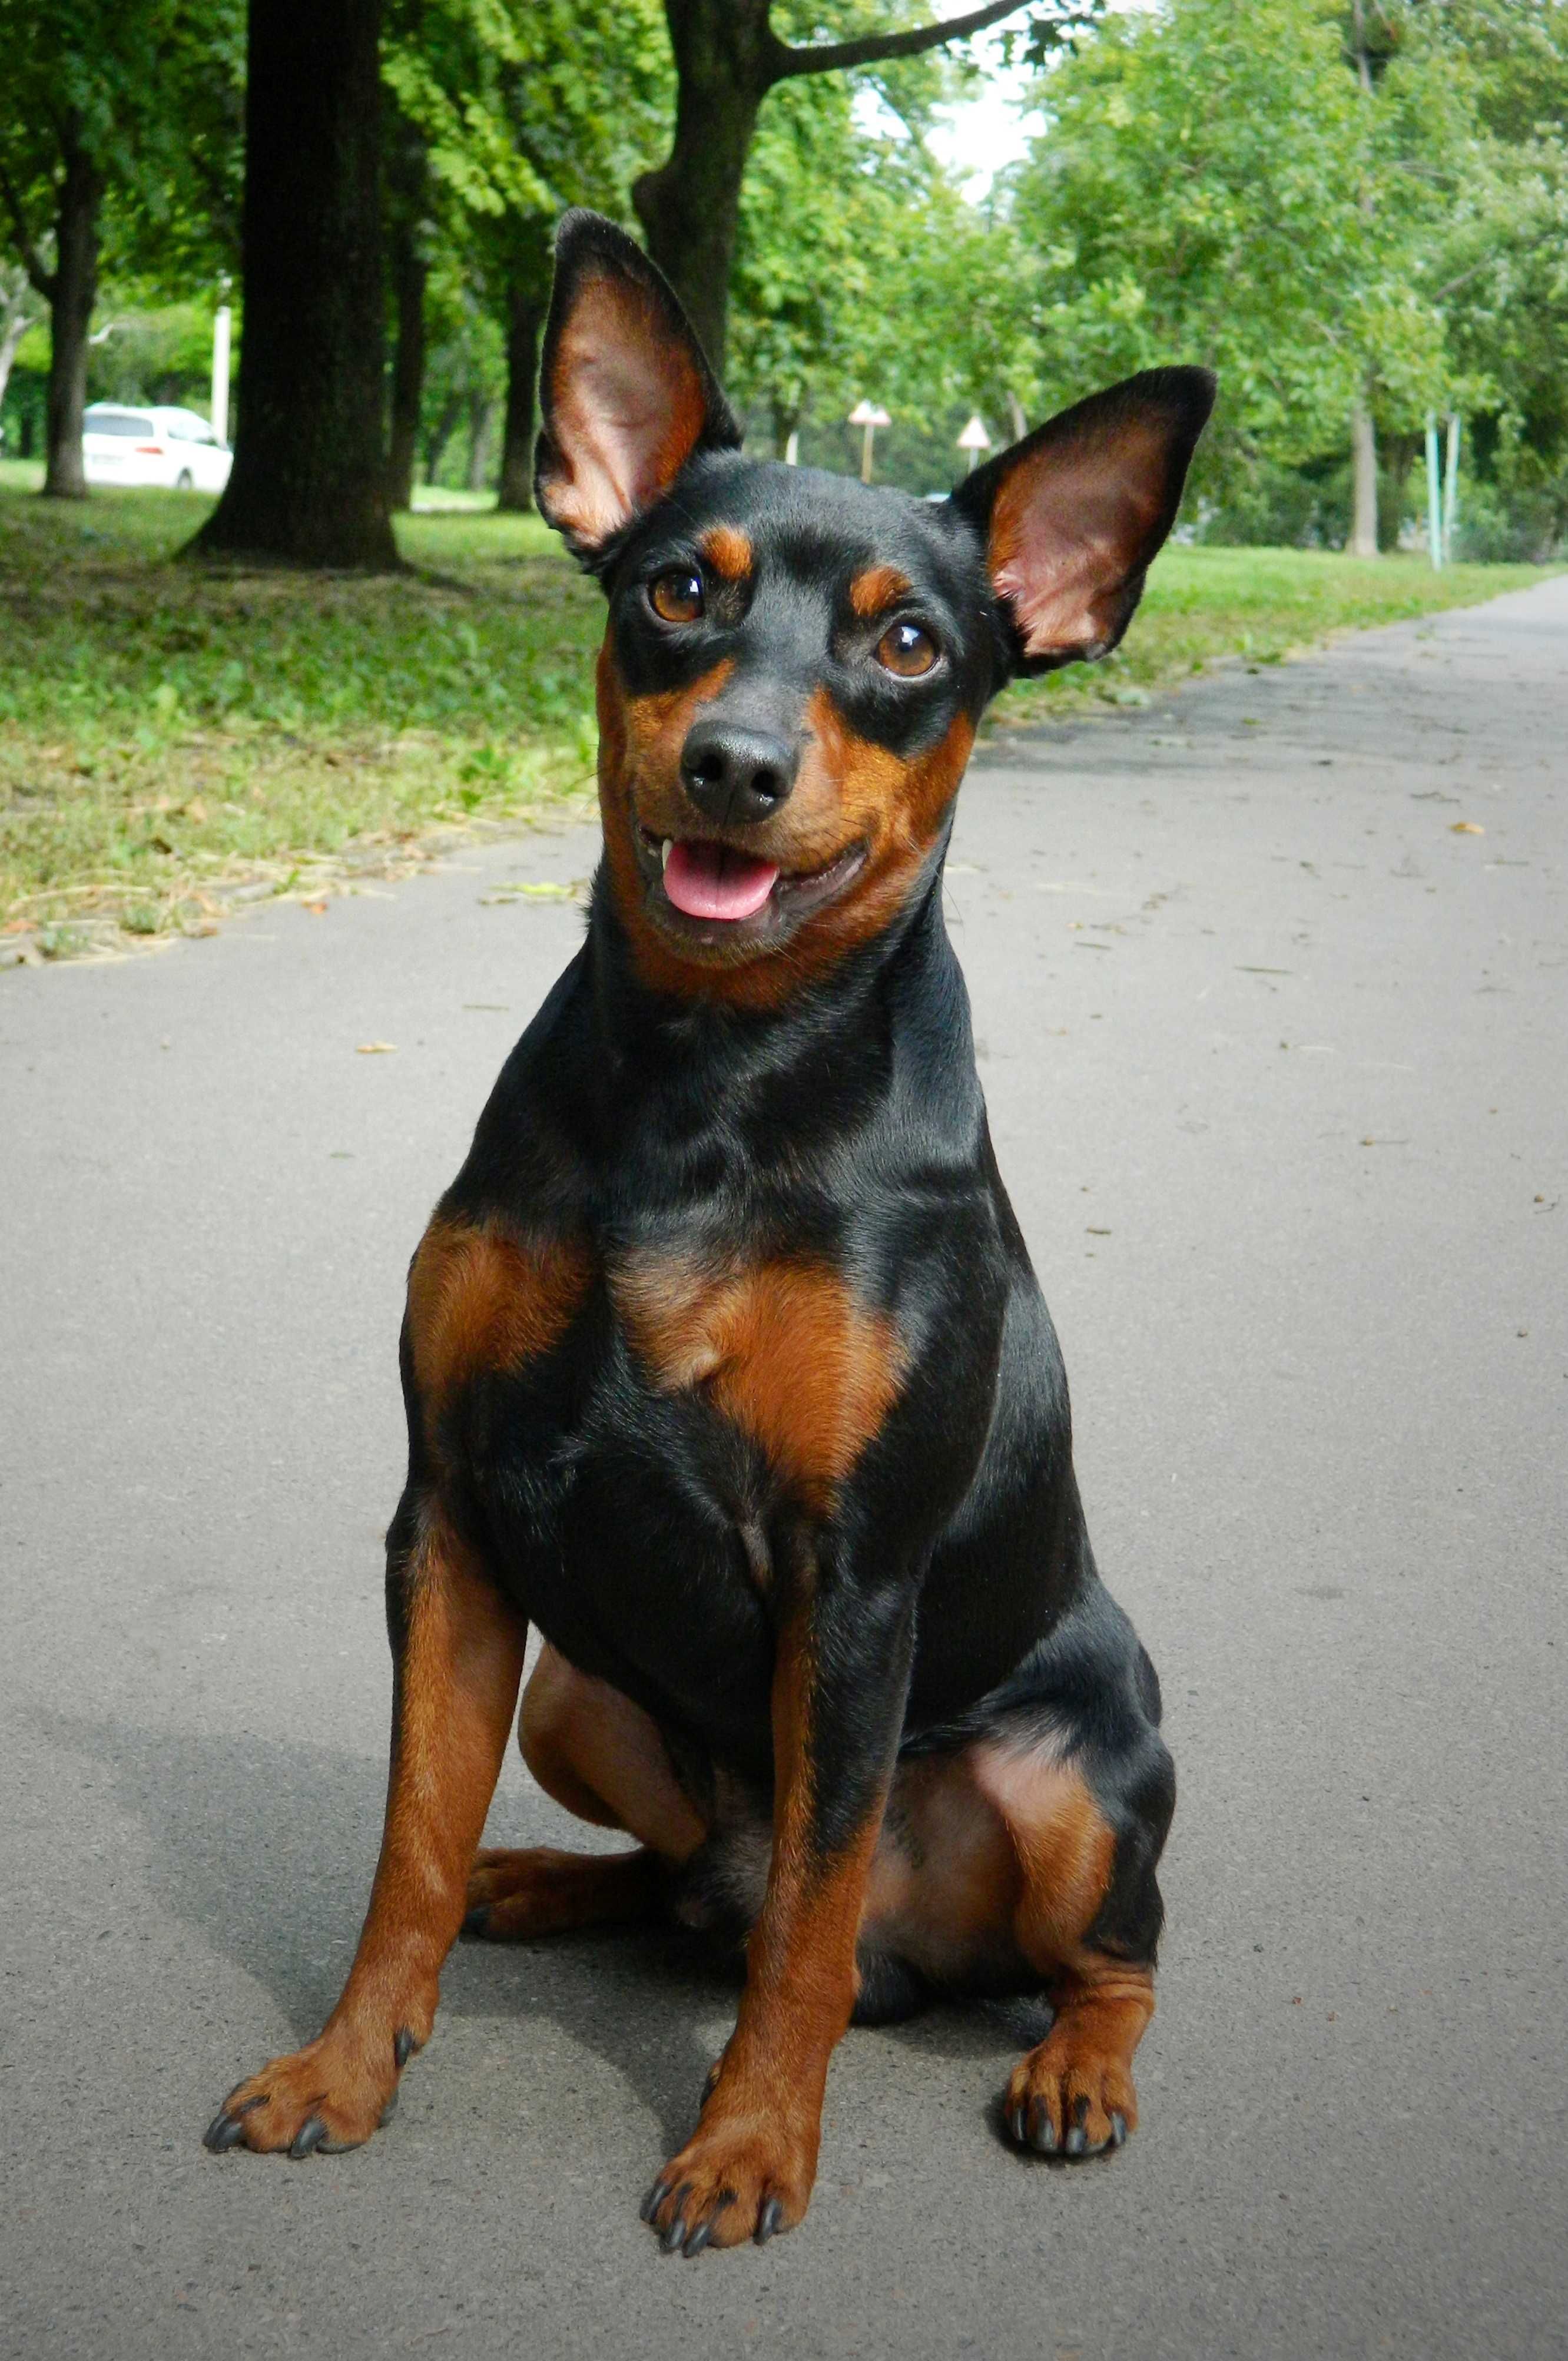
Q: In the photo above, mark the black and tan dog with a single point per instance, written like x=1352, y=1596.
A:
x=724, y=1362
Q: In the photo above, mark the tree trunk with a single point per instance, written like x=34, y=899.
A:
x=308, y=484
x=481, y=412
x=73, y=290
x=689, y=208
x=728, y=57
x=1363, y=542
x=443, y=428
x=528, y=301
x=409, y=272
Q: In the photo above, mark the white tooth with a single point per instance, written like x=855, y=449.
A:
x=667, y=846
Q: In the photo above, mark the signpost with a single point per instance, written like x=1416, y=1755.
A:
x=974, y=440
x=868, y=416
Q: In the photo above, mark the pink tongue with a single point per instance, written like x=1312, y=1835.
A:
x=714, y=881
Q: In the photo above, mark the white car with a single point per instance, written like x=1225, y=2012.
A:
x=171, y=448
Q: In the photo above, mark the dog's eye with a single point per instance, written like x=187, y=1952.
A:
x=906, y=649
x=676, y=596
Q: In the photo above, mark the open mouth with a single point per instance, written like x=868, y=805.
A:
x=715, y=893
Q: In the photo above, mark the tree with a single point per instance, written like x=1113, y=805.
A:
x=1214, y=184
x=728, y=58
x=309, y=482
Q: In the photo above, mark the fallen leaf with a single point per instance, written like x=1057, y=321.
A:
x=375, y=1048
x=1093, y=1232
x=316, y=909
x=1465, y=828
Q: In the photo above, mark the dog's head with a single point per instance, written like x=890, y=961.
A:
x=795, y=664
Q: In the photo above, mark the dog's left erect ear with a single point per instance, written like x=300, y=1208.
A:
x=1073, y=514
x=625, y=390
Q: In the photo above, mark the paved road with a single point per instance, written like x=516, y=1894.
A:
x=1277, y=1062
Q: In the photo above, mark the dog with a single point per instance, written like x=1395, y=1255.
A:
x=724, y=1363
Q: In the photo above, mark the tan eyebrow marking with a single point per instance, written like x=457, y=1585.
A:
x=878, y=588
x=728, y=550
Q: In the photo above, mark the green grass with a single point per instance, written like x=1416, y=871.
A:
x=170, y=735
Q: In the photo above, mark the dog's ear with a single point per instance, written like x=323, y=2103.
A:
x=1072, y=515
x=625, y=390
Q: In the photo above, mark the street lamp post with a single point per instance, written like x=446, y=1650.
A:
x=868, y=416
x=974, y=440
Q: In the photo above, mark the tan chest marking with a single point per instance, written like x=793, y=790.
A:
x=486, y=1300
x=785, y=1350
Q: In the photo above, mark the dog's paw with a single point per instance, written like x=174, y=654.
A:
x=328, y=2096
x=1069, y=2099
x=732, y=2182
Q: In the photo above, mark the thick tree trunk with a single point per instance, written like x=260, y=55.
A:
x=308, y=486
x=409, y=272
x=1363, y=542
x=690, y=207
x=73, y=290
x=528, y=301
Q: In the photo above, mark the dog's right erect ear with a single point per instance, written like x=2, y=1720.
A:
x=625, y=390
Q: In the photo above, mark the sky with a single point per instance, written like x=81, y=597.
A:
x=991, y=129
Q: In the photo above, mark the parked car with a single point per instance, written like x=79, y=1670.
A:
x=172, y=448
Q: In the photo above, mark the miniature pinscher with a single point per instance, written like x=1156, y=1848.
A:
x=724, y=1363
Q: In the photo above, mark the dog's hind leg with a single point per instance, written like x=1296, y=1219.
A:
x=457, y=1655
x=601, y=1757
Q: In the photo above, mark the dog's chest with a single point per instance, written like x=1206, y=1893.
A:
x=779, y=1348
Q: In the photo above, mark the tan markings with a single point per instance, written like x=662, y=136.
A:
x=878, y=588
x=785, y=1350
x=762, y=2121
x=849, y=793
x=456, y=1689
x=628, y=404
x=728, y=550
x=541, y=1892
x=480, y=1300
x=603, y=1757
x=1080, y=2076
x=1066, y=1848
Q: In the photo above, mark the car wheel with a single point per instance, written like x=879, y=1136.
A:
x=184, y=481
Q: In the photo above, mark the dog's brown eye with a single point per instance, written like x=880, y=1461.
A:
x=676, y=596
x=906, y=649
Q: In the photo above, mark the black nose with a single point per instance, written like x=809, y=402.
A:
x=735, y=773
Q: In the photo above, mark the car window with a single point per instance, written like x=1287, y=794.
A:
x=186, y=427
x=117, y=422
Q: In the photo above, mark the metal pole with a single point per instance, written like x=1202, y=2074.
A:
x=1434, y=495
x=866, y=433
x=1451, y=489
x=221, y=373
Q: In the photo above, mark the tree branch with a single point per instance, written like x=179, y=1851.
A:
x=829, y=57
x=43, y=281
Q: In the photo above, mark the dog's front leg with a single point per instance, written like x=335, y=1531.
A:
x=458, y=1662
x=840, y=1683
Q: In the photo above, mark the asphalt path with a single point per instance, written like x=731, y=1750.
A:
x=1271, y=983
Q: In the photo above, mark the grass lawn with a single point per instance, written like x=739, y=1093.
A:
x=173, y=738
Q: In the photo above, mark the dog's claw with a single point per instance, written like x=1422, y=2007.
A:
x=388, y=2112
x=225, y=2130
x=698, y=2239
x=1075, y=2143
x=653, y=2200
x=1118, y=2130
x=768, y=2221
x=404, y=2048
x=308, y=2137
x=475, y=1922
x=1042, y=2131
